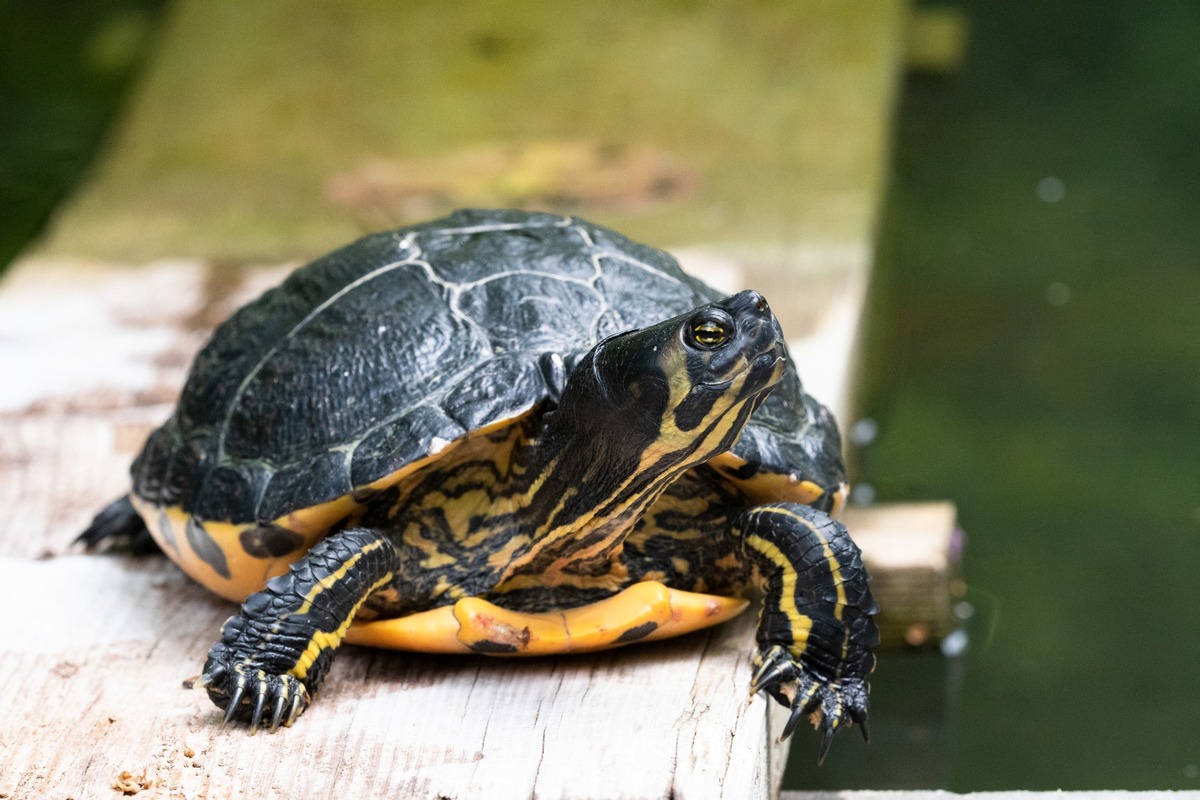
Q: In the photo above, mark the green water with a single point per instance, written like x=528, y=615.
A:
x=1035, y=356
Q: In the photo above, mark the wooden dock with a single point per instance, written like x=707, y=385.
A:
x=764, y=135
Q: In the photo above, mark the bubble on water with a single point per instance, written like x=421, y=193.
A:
x=863, y=494
x=1051, y=189
x=864, y=431
x=955, y=644
x=1058, y=294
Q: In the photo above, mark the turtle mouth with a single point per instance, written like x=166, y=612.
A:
x=768, y=363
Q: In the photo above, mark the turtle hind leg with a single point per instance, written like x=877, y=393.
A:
x=816, y=632
x=274, y=654
x=118, y=529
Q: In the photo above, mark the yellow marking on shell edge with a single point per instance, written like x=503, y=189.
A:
x=319, y=518
x=773, y=487
x=596, y=626
x=247, y=573
x=440, y=452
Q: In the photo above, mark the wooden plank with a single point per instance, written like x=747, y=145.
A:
x=1019, y=794
x=913, y=552
x=103, y=668
x=113, y=638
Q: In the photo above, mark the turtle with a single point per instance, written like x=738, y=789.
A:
x=509, y=433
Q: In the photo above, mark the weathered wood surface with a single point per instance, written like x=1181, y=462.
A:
x=96, y=648
x=93, y=692
x=914, y=554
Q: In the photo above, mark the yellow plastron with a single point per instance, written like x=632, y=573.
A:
x=644, y=612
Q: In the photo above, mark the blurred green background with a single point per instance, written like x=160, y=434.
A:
x=1034, y=355
x=64, y=68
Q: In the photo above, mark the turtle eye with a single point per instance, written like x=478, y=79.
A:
x=709, y=333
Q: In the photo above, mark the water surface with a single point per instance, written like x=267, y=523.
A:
x=1035, y=356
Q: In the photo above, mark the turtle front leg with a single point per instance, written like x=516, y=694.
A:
x=815, y=631
x=273, y=655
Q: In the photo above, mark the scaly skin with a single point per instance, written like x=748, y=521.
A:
x=275, y=653
x=815, y=630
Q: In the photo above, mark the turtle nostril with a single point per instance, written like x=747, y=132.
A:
x=761, y=305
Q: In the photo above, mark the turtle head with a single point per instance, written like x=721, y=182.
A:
x=682, y=390
x=639, y=409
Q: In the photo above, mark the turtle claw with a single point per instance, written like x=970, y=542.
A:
x=277, y=716
x=829, y=704
x=215, y=674
x=299, y=702
x=775, y=670
x=260, y=705
x=826, y=740
x=793, y=719
x=233, y=703
x=245, y=691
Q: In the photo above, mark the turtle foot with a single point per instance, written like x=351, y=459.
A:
x=246, y=691
x=828, y=704
x=118, y=529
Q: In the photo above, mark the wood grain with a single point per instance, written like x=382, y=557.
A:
x=95, y=691
x=96, y=648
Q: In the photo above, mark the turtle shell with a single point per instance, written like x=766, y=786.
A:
x=384, y=352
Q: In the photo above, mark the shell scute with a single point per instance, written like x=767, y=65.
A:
x=391, y=446
x=498, y=389
x=229, y=484
x=323, y=474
